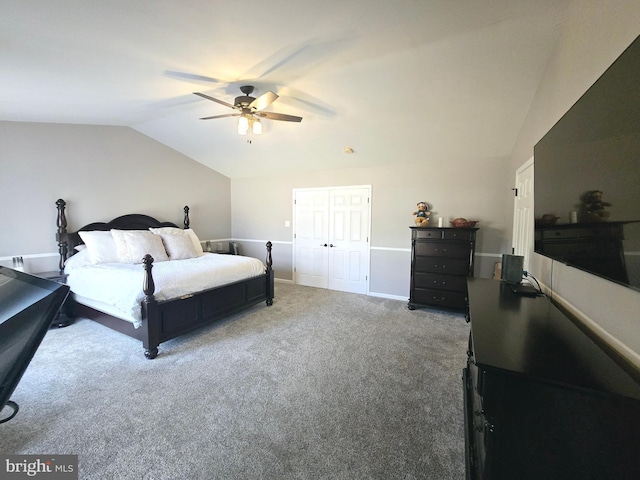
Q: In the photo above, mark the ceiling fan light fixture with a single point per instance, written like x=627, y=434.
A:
x=256, y=127
x=243, y=125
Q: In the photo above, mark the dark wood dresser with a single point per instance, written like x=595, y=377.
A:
x=441, y=261
x=542, y=399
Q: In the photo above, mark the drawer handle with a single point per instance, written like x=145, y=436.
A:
x=486, y=427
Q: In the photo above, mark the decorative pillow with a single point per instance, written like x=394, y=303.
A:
x=133, y=245
x=100, y=245
x=179, y=247
x=179, y=231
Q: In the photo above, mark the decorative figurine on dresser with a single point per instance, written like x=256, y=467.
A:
x=422, y=214
x=441, y=260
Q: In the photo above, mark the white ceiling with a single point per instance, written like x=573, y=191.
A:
x=439, y=79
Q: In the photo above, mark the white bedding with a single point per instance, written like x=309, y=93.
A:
x=119, y=285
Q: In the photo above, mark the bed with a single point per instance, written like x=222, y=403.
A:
x=158, y=283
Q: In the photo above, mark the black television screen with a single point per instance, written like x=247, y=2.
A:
x=28, y=304
x=587, y=178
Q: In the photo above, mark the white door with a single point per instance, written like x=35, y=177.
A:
x=523, y=213
x=349, y=239
x=311, y=252
x=332, y=238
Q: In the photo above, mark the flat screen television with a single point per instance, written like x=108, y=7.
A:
x=28, y=304
x=587, y=178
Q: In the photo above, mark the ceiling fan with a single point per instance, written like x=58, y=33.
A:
x=250, y=110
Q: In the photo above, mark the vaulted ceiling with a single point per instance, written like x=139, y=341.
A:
x=435, y=79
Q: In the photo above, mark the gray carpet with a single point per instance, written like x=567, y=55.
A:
x=321, y=385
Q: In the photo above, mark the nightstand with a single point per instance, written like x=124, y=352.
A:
x=65, y=316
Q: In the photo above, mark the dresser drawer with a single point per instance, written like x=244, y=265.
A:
x=437, y=281
x=443, y=249
x=455, y=234
x=439, y=297
x=428, y=233
x=451, y=266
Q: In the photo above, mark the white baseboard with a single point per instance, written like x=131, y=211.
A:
x=390, y=297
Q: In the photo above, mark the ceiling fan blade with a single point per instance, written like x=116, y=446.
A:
x=192, y=77
x=221, y=116
x=263, y=101
x=221, y=102
x=279, y=116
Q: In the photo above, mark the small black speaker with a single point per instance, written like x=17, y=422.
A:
x=512, y=266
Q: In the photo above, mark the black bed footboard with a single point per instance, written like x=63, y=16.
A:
x=168, y=319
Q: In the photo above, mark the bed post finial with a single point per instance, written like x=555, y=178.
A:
x=269, y=259
x=186, y=217
x=148, y=285
x=61, y=234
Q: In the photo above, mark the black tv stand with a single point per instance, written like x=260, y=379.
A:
x=542, y=400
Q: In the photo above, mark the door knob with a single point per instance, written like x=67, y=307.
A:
x=332, y=245
x=323, y=244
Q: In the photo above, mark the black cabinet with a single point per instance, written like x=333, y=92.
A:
x=65, y=317
x=541, y=398
x=441, y=261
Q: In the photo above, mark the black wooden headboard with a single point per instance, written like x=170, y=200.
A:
x=67, y=241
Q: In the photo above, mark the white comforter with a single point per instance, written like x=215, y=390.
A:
x=119, y=285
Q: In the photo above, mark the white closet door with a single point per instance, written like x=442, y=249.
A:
x=311, y=221
x=349, y=239
x=331, y=242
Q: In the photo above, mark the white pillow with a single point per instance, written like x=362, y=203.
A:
x=179, y=247
x=101, y=247
x=179, y=231
x=133, y=245
x=79, y=260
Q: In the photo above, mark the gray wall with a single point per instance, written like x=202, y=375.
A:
x=101, y=172
x=471, y=188
x=596, y=33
